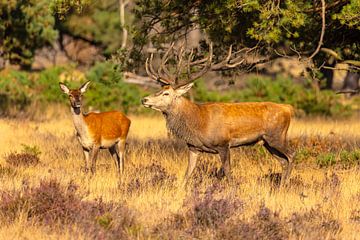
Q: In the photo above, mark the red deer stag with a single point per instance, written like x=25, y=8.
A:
x=217, y=127
x=95, y=131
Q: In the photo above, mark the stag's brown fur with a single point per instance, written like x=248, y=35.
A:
x=217, y=127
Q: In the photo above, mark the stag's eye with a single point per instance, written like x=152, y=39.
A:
x=166, y=94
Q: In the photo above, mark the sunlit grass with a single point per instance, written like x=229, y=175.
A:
x=156, y=200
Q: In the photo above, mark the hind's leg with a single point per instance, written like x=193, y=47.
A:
x=93, y=158
x=121, y=149
x=86, y=159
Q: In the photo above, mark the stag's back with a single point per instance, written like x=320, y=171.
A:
x=246, y=120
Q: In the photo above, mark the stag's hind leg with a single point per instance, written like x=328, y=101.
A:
x=277, y=147
x=114, y=153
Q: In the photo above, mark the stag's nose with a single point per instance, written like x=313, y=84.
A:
x=144, y=100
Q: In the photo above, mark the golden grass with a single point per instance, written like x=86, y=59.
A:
x=61, y=159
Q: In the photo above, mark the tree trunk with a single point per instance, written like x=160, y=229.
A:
x=122, y=5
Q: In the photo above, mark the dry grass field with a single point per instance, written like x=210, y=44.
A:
x=47, y=195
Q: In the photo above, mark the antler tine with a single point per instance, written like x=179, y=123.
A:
x=179, y=55
x=164, y=60
x=149, y=70
x=205, y=68
x=189, y=63
x=228, y=63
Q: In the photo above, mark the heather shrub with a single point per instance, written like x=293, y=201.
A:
x=314, y=224
x=52, y=205
x=204, y=213
x=265, y=224
x=29, y=156
x=149, y=176
x=209, y=212
x=6, y=171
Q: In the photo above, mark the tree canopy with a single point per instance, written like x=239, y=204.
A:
x=272, y=28
x=269, y=28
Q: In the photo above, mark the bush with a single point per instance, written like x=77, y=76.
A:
x=28, y=157
x=52, y=205
x=326, y=159
x=15, y=91
x=110, y=91
x=18, y=89
x=281, y=90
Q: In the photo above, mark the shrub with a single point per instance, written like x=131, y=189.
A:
x=314, y=224
x=281, y=90
x=326, y=159
x=150, y=176
x=110, y=91
x=54, y=206
x=7, y=171
x=15, y=93
x=28, y=157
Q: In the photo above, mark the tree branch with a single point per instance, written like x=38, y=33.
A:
x=323, y=7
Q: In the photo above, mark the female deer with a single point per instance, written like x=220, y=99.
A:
x=95, y=131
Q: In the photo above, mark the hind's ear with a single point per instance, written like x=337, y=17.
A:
x=84, y=87
x=64, y=88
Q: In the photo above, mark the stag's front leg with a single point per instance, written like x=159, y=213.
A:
x=193, y=156
x=93, y=157
x=225, y=160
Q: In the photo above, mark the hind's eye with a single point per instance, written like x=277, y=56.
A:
x=166, y=94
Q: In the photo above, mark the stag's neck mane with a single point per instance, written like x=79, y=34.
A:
x=184, y=121
x=79, y=121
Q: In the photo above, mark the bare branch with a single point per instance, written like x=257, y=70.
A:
x=323, y=7
x=139, y=80
x=353, y=91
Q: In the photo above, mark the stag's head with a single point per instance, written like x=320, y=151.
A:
x=188, y=67
x=75, y=95
x=166, y=97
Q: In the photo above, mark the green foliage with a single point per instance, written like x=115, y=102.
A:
x=268, y=25
x=349, y=158
x=109, y=91
x=99, y=23
x=280, y=90
x=63, y=7
x=29, y=149
x=326, y=159
x=350, y=15
x=344, y=159
x=25, y=25
x=18, y=89
x=14, y=91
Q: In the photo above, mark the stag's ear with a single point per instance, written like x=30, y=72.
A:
x=64, y=88
x=183, y=89
x=84, y=87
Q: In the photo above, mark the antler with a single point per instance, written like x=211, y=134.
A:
x=188, y=68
